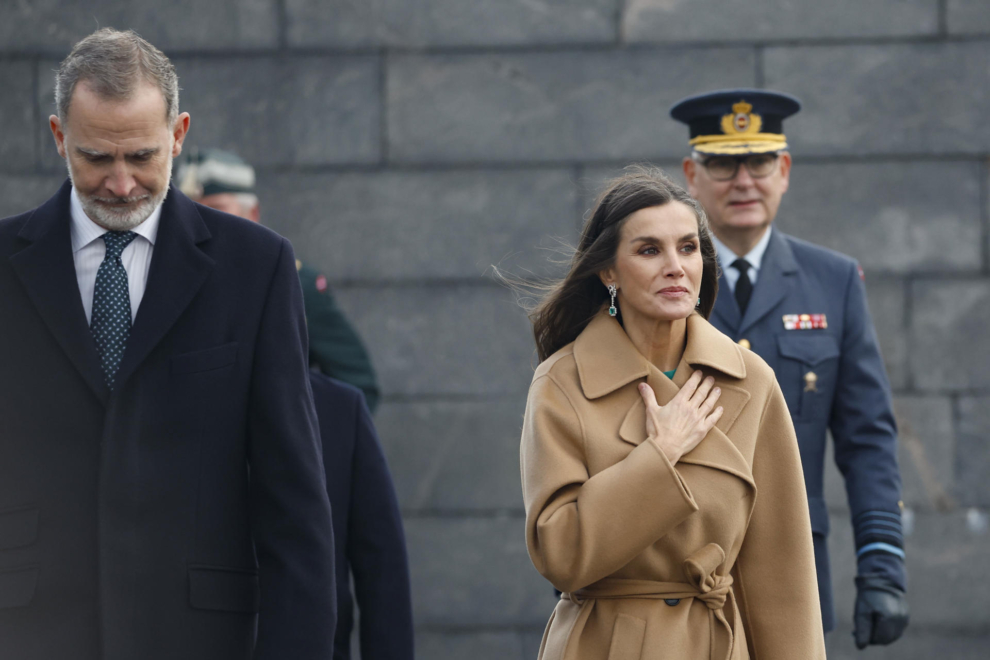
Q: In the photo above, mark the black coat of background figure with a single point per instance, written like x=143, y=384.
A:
x=367, y=527
x=185, y=514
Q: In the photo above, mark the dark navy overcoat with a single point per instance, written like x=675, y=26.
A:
x=833, y=378
x=367, y=526
x=185, y=514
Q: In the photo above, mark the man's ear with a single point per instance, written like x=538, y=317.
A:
x=56, y=126
x=690, y=167
x=785, y=170
x=179, y=131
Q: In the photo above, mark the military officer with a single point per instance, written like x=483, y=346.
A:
x=223, y=181
x=802, y=308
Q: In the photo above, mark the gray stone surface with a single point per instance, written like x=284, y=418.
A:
x=926, y=451
x=968, y=16
x=454, y=456
x=20, y=193
x=417, y=23
x=55, y=25
x=924, y=98
x=950, y=345
x=444, y=339
x=406, y=225
x=973, y=451
x=891, y=216
x=475, y=572
x=948, y=573
x=473, y=645
x=298, y=111
x=17, y=147
x=887, y=298
x=541, y=107
x=916, y=644
x=926, y=455
x=743, y=20
x=592, y=180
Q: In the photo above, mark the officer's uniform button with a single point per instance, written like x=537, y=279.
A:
x=672, y=601
x=745, y=343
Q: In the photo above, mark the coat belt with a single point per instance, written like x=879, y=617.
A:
x=702, y=583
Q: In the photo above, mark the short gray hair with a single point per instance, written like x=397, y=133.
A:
x=112, y=63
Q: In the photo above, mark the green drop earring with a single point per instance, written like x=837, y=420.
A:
x=613, y=310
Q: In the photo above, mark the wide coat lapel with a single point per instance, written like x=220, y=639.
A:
x=179, y=267
x=607, y=360
x=777, y=273
x=47, y=270
x=726, y=308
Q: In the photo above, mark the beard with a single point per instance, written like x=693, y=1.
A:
x=120, y=213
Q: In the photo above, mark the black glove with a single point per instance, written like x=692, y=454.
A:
x=881, y=611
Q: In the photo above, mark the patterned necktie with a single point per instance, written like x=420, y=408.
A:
x=111, y=320
x=744, y=288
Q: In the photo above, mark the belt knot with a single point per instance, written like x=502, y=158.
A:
x=700, y=568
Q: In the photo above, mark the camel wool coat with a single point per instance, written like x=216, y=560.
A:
x=710, y=558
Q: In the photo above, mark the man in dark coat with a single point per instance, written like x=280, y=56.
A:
x=802, y=308
x=367, y=527
x=161, y=490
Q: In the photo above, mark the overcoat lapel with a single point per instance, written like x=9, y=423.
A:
x=726, y=307
x=607, y=360
x=777, y=273
x=178, y=270
x=47, y=271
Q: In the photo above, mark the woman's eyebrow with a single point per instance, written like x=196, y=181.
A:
x=654, y=239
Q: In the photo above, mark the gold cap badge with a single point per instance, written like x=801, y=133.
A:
x=742, y=120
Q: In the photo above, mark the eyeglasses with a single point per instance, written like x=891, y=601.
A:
x=725, y=168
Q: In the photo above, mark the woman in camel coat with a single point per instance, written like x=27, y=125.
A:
x=661, y=476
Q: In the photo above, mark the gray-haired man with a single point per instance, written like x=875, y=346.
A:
x=162, y=493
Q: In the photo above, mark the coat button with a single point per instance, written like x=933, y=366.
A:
x=672, y=601
x=745, y=343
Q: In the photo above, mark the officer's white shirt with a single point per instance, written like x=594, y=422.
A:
x=88, y=250
x=754, y=257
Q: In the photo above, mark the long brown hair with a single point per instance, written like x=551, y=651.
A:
x=570, y=304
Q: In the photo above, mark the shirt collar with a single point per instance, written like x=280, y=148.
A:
x=84, y=231
x=754, y=256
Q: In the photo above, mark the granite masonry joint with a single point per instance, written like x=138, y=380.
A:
x=415, y=283
x=451, y=398
x=455, y=629
x=283, y=24
x=464, y=514
x=758, y=63
x=985, y=212
x=383, y=157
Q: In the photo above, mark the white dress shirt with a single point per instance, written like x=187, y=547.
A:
x=754, y=257
x=88, y=250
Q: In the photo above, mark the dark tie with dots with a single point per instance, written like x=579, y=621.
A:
x=111, y=320
x=744, y=288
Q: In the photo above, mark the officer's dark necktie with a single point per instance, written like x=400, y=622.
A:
x=744, y=288
x=111, y=319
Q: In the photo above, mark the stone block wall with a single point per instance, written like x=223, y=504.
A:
x=406, y=146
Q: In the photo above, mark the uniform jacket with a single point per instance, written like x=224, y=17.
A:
x=370, y=543
x=711, y=558
x=851, y=394
x=185, y=514
x=334, y=345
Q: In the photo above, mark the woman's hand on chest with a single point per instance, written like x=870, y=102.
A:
x=679, y=426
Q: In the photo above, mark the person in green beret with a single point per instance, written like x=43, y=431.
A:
x=224, y=181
